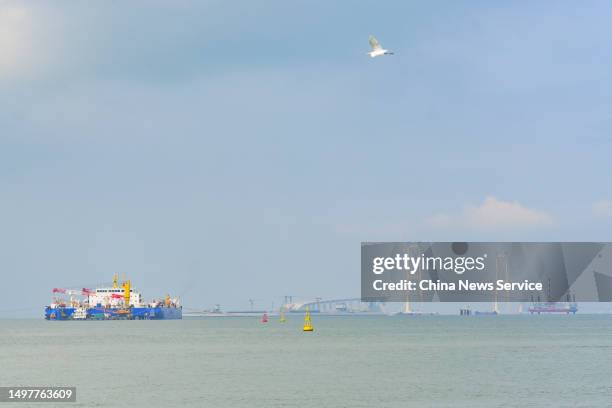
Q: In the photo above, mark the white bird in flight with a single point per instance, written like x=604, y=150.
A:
x=377, y=49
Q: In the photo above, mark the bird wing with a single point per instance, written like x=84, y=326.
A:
x=374, y=43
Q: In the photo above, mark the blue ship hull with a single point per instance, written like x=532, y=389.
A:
x=100, y=313
x=59, y=313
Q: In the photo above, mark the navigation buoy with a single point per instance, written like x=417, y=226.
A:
x=307, y=322
x=282, y=319
x=264, y=318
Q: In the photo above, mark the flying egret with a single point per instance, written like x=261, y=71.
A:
x=377, y=49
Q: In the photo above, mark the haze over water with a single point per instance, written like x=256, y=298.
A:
x=350, y=362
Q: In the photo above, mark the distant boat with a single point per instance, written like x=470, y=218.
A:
x=553, y=307
x=489, y=313
x=492, y=312
x=415, y=313
x=307, y=322
x=264, y=318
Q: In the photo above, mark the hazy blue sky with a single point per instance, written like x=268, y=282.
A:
x=226, y=150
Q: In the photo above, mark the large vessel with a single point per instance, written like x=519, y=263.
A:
x=553, y=307
x=115, y=302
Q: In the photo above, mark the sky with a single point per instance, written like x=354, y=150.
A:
x=221, y=151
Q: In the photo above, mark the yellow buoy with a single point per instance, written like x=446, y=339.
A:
x=307, y=322
x=283, y=319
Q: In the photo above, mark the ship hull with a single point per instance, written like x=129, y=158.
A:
x=59, y=313
x=552, y=311
x=100, y=313
x=553, y=308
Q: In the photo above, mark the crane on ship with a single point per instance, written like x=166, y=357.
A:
x=252, y=302
x=72, y=292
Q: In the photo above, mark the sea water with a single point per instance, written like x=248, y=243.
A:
x=361, y=361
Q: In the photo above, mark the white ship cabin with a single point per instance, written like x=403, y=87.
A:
x=113, y=297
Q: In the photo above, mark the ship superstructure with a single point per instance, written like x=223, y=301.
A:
x=119, y=301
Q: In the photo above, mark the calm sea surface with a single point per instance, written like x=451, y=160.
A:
x=523, y=361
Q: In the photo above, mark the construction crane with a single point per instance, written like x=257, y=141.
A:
x=72, y=292
x=252, y=302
